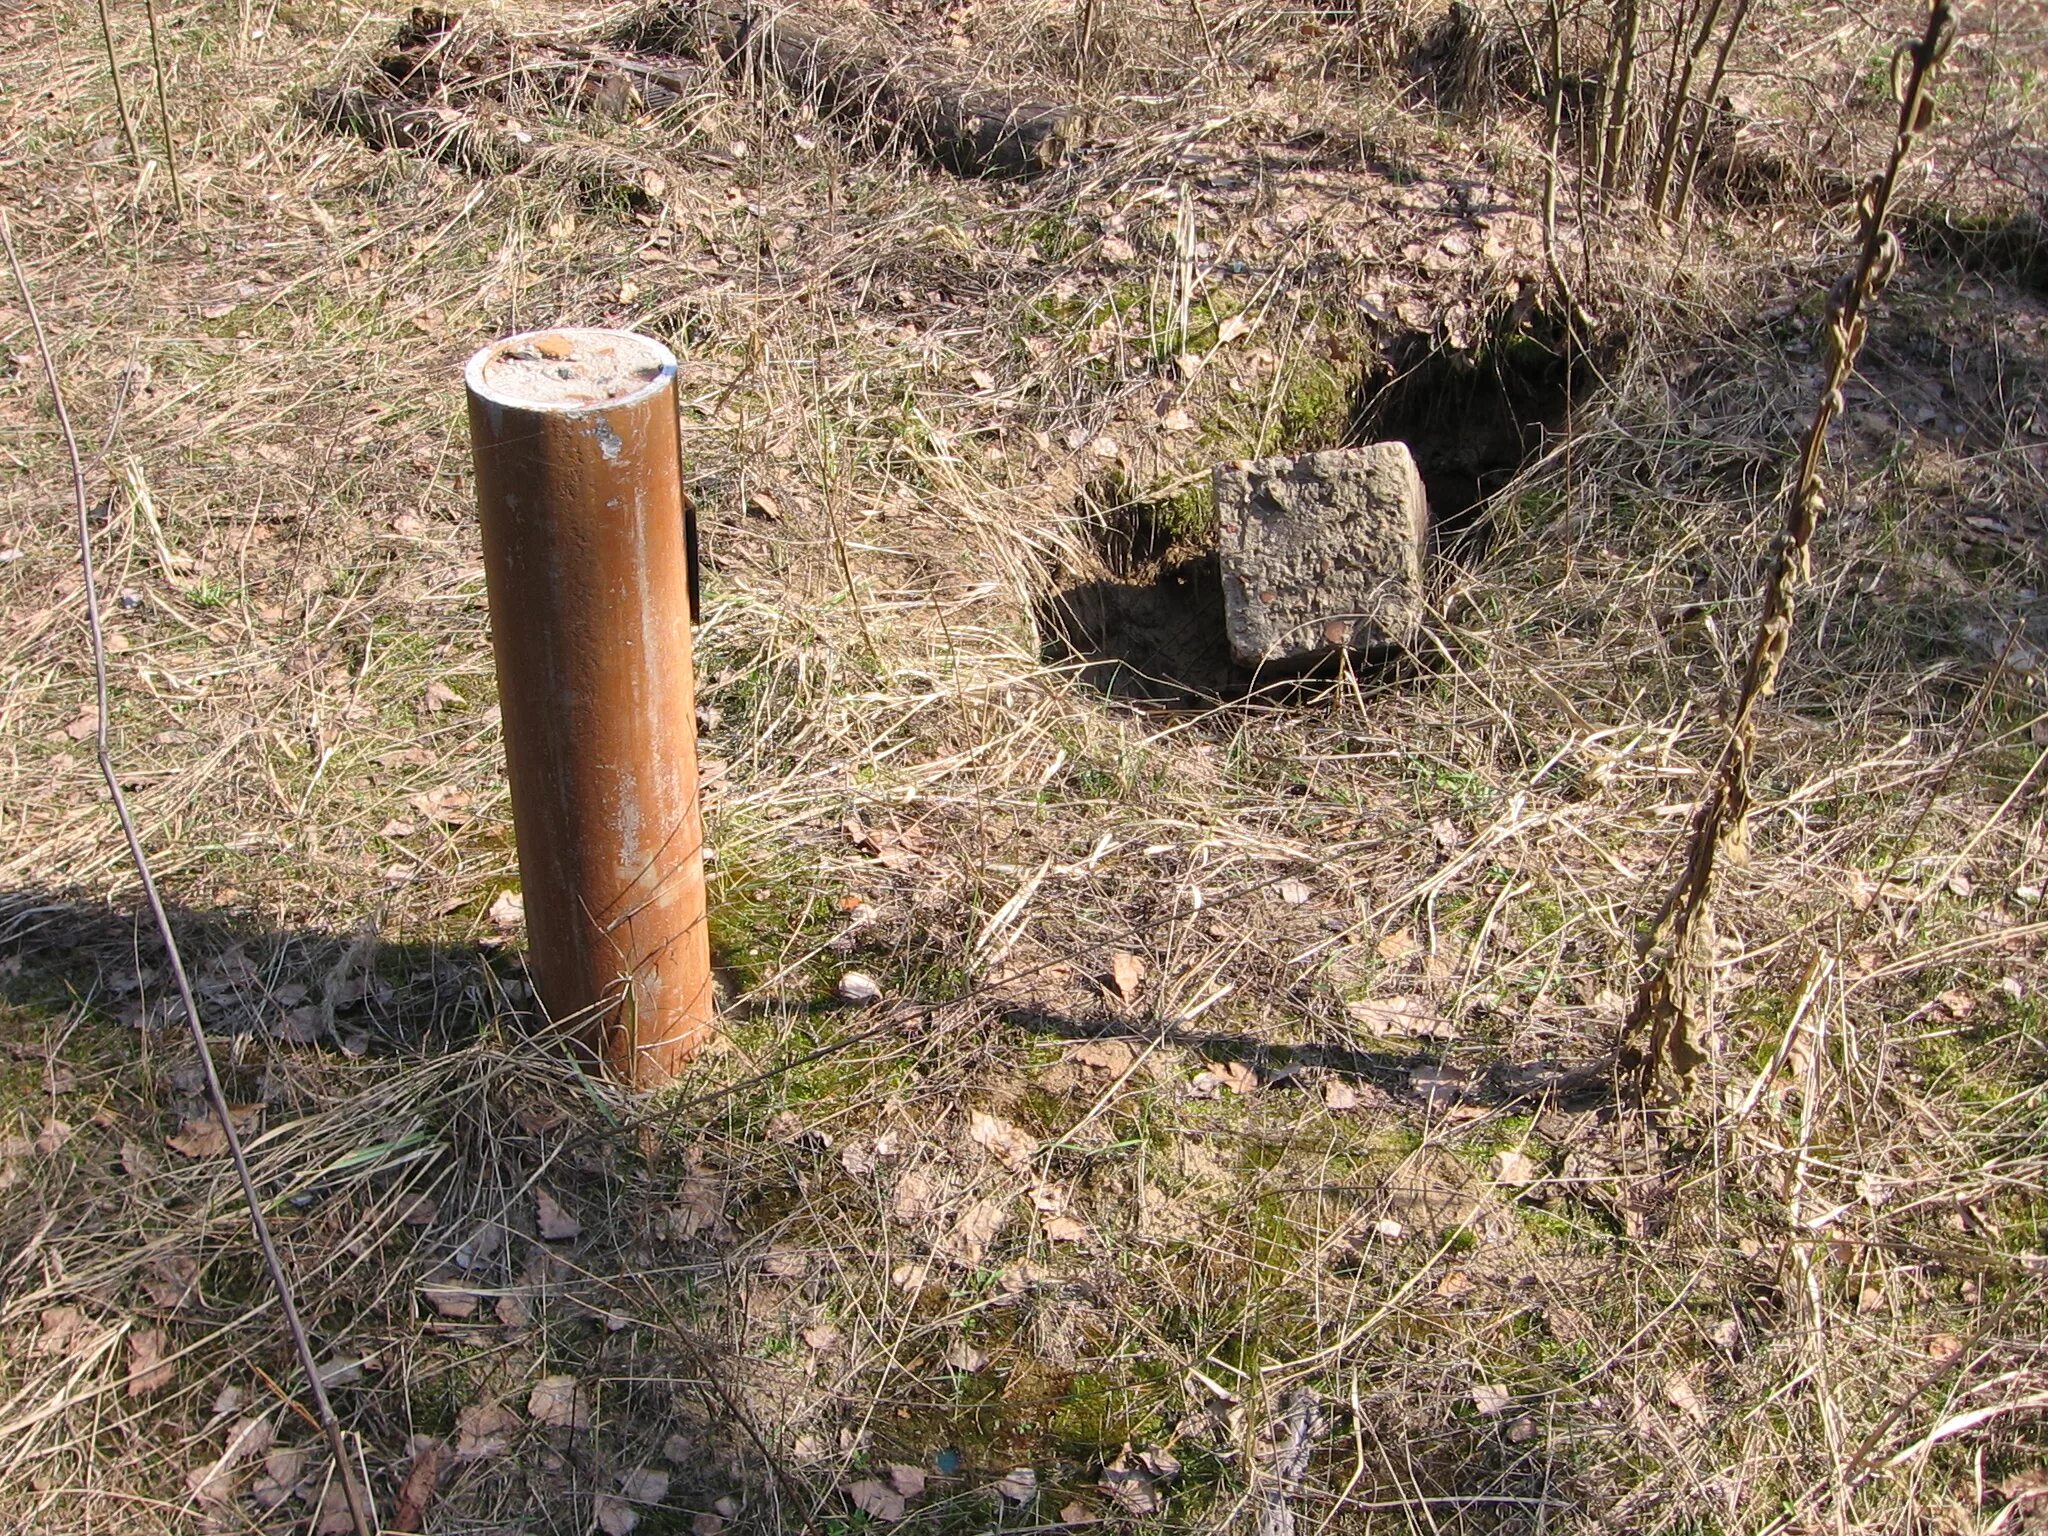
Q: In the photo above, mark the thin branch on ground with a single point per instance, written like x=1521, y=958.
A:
x=1670, y=1013
x=259, y=1226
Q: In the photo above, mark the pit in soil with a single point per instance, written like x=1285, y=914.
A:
x=1148, y=625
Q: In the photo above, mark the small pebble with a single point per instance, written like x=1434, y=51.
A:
x=859, y=987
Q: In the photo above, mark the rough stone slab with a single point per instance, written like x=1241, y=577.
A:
x=1321, y=552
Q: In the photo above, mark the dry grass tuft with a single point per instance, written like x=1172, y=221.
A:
x=1220, y=1151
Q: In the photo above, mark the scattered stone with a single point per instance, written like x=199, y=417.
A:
x=1321, y=552
x=858, y=987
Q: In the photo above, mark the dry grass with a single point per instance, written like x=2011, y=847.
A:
x=1419, y=1275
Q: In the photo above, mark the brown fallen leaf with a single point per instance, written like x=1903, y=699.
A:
x=877, y=1498
x=698, y=1211
x=978, y=1226
x=615, y=1517
x=917, y=1197
x=1216, y=1076
x=1400, y=1016
x=1680, y=1393
x=65, y=1331
x=554, y=1221
x=1398, y=945
x=417, y=1491
x=1112, y=1058
x=1490, y=1399
x=1515, y=1169
x=1019, y=1486
x=963, y=1356
x=822, y=1336
x=171, y=1280
x=1131, y=1489
x=52, y=1137
x=1011, y=1146
x=440, y=696
x=484, y=1430
x=1063, y=1229
x=908, y=1481
x=1338, y=1094
x=560, y=1402
x=450, y=1299
x=1126, y=975
x=334, y=1518
x=284, y=1467
x=148, y=1370
x=644, y=1485
x=508, y=912
x=1456, y=1285
x=207, y=1137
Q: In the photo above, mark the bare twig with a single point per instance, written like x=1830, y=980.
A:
x=1707, y=100
x=351, y=1490
x=120, y=94
x=163, y=106
x=1671, y=1002
x=1678, y=107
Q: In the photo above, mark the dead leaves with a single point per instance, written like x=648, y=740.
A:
x=887, y=1498
x=918, y=1197
x=1132, y=1481
x=440, y=696
x=877, y=1498
x=698, y=1210
x=888, y=847
x=1126, y=975
x=1111, y=1058
x=148, y=1369
x=1011, y=1147
x=508, y=912
x=1062, y=1229
x=1019, y=1486
x=1414, y=1017
x=560, y=1402
x=485, y=1430
x=979, y=1225
x=1218, y=1076
x=207, y=1137
x=66, y=1331
x=554, y=1222
x=421, y=1480
x=1515, y=1169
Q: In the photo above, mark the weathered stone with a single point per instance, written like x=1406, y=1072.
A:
x=1321, y=552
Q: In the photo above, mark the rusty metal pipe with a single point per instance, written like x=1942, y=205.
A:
x=579, y=488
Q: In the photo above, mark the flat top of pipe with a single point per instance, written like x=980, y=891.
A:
x=570, y=369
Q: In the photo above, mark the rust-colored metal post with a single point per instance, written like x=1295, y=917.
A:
x=578, y=483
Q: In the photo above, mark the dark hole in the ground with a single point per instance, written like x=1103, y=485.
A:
x=1473, y=420
x=1148, y=624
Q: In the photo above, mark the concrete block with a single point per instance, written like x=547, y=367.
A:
x=1321, y=552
